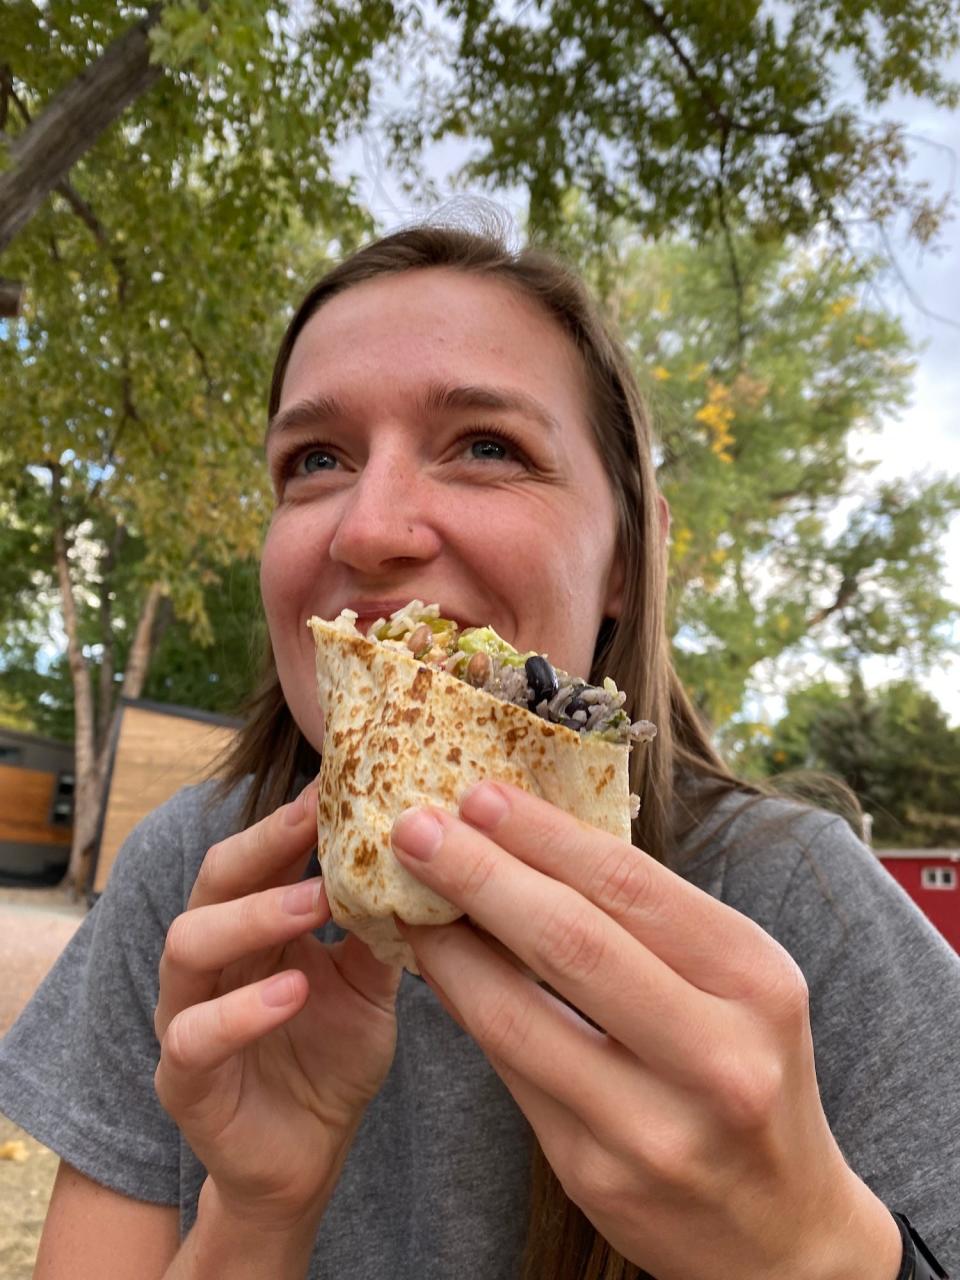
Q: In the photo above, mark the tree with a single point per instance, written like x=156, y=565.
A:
x=157, y=283
x=225, y=79
x=779, y=538
x=677, y=116
x=893, y=746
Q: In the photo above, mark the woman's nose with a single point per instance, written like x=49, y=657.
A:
x=386, y=515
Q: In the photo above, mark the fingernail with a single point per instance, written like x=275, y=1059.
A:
x=417, y=834
x=302, y=899
x=298, y=809
x=280, y=990
x=483, y=805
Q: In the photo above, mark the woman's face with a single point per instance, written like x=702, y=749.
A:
x=432, y=441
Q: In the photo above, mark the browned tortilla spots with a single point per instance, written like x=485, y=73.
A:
x=453, y=755
x=430, y=739
x=430, y=719
x=606, y=778
x=365, y=855
x=512, y=736
x=411, y=715
x=421, y=684
x=346, y=810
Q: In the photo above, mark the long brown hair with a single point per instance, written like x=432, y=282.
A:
x=680, y=772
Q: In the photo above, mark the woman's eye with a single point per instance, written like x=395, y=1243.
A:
x=488, y=449
x=316, y=460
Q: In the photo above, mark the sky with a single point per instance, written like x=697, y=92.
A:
x=923, y=290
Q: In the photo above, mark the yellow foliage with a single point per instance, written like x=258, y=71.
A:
x=664, y=298
x=682, y=541
x=863, y=341
x=660, y=373
x=697, y=372
x=717, y=415
x=779, y=757
x=718, y=555
x=840, y=308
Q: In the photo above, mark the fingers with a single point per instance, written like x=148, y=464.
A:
x=572, y=945
x=201, y=1040
x=710, y=944
x=555, y=1064
x=271, y=850
x=202, y=942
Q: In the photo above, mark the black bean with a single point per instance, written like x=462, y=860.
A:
x=541, y=678
x=576, y=703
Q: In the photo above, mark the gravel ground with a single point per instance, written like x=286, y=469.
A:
x=35, y=925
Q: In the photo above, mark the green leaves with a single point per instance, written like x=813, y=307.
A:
x=778, y=538
x=893, y=746
x=672, y=114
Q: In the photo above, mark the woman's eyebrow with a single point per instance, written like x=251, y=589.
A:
x=316, y=410
x=312, y=411
x=441, y=396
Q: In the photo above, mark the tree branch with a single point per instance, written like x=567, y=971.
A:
x=43, y=154
x=138, y=659
x=848, y=589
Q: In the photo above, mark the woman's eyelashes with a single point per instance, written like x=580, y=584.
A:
x=490, y=442
x=485, y=443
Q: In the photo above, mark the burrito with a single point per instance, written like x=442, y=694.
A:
x=417, y=711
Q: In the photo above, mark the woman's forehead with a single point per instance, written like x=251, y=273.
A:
x=436, y=323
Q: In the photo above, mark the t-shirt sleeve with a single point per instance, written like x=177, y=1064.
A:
x=77, y=1068
x=884, y=1005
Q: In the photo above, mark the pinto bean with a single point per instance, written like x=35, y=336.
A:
x=420, y=640
x=478, y=669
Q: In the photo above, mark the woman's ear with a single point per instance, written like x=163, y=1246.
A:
x=663, y=510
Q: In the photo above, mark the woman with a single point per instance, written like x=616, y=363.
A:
x=453, y=422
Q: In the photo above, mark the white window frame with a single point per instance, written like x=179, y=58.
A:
x=938, y=878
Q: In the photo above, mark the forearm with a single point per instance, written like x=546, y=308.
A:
x=229, y=1244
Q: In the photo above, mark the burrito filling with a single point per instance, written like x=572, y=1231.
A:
x=485, y=660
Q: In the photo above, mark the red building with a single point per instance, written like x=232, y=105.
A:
x=932, y=879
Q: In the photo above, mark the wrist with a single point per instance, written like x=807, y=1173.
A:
x=863, y=1244
x=248, y=1243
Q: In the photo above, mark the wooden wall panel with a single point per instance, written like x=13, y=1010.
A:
x=156, y=755
x=25, y=799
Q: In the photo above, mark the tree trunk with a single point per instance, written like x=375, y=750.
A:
x=138, y=659
x=41, y=156
x=86, y=772
x=11, y=298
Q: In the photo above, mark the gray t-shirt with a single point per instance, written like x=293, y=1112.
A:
x=435, y=1185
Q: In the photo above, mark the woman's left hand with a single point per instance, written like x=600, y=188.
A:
x=689, y=1129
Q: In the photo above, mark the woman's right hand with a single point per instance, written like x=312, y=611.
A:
x=271, y=1043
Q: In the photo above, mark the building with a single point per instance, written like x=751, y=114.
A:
x=36, y=807
x=155, y=749
x=932, y=879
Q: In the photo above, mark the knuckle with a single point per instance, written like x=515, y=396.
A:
x=594, y=1180
x=502, y=1024
x=209, y=873
x=749, y=1090
x=569, y=945
x=178, y=948
x=177, y=1047
x=668, y=1157
x=790, y=994
x=622, y=885
x=479, y=875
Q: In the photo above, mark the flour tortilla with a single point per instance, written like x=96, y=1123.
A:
x=399, y=733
